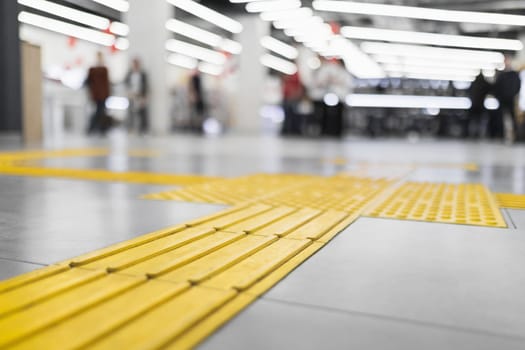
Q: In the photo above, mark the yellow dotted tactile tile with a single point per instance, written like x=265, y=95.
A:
x=512, y=201
x=471, y=204
x=169, y=288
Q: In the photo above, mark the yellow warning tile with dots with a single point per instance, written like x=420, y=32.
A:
x=470, y=204
x=191, y=278
x=511, y=201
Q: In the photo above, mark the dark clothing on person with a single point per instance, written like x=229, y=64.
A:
x=478, y=92
x=98, y=83
x=197, y=103
x=143, y=90
x=506, y=88
x=292, y=92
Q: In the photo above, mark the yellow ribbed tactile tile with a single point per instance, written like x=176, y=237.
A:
x=470, y=204
x=511, y=201
x=169, y=288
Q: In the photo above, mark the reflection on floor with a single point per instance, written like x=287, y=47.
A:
x=388, y=281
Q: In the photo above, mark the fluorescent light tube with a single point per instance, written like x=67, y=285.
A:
x=279, y=47
x=119, y=5
x=195, y=51
x=407, y=101
x=208, y=14
x=418, y=12
x=278, y=64
x=402, y=36
x=273, y=5
x=68, y=29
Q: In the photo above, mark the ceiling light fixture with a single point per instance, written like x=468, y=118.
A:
x=418, y=12
x=208, y=14
x=403, y=36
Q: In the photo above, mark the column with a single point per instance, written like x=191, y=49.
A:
x=10, y=71
x=251, y=74
x=147, y=37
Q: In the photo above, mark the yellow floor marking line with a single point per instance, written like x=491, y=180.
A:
x=22, y=163
x=511, y=201
x=470, y=204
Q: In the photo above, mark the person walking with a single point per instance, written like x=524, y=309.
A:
x=98, y=84
x=478, y=91
x=137, y=85
x=506, y=89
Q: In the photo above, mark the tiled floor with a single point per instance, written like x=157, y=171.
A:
x=382, y=284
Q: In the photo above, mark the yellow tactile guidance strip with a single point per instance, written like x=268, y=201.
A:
x=342, y=192
x=470, y=204
x=169, y=288
x=20, y=164
x=511, y=201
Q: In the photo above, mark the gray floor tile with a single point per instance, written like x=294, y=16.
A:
x=453, y=275
x=9, y=268
x=518, y=218
x=273, y=325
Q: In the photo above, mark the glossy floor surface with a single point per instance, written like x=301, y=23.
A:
x=380, y=284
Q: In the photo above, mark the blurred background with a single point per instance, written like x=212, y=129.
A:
x=305, y=69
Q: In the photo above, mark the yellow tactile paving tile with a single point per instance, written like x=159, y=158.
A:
x=164, y=323
x=317, y=227
x=18, y=298
x=149, y=250
x=217, y=261
x=93, y=324
x=244, y=274
x=175, y=258
x=511, y=201
x=30, y=320
x=173, y=287
x=470, y=204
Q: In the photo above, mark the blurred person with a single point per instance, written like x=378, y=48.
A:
x=293, y=92
x=98, y=84
x=197, y=103
x=331, y=85
x=137, y=85
x=478, y=91
x=506, y=89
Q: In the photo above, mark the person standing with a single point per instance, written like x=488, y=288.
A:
x=196, y=99
x=506, y=89
x=293, y=91
x=137, y=85
x=478, y=91
x=98, y=84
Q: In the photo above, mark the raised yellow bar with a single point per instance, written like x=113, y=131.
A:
x=175, y=258
x=233, y=218
x=119, y=247
x=319, y=226
x=149, y=250
x=32, y=319
x=34, y=292
x=247, y=272
x=164, y=323
x=96, y=322
x=289, y=223
x=213, y=263
x=255, y=223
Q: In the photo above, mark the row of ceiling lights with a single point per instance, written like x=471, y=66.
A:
x=187, y=55
x=396, y=60
x=94, y=28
